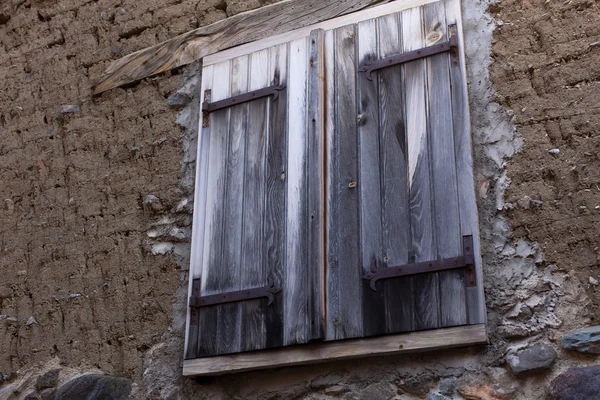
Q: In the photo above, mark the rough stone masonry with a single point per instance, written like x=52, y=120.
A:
x=96, y=202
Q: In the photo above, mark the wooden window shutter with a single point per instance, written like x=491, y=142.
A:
x=335, y=195
x=259, y=200
x=400, y=180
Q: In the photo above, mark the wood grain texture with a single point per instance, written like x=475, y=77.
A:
x=192, y=318
x=315, y=162
x=464, y=163
x=445, y=191
x=296, y=279
x=229, y=272
x=426, y=289
x=253, y=268
x=213, y=237
x=276, y=194
x=342, y=350
x=345, y=208
x=369, y=182
x=296, y=17
x=332, y=279
x=394, y=178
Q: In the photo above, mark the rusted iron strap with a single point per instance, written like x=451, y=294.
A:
x=450, y=45
x=467, y=261
x=268, y=291
x=243, y=98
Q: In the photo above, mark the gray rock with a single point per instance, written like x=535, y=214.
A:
x=576, y=384
x=437, y=396
x=448, y=386
x=535, y=358
x=584, y=340
x=32, y=396
x=94, y=387
x=152, y=203
x=178, y=100
x=48, y=380
x=70, y=108
x=48, y=394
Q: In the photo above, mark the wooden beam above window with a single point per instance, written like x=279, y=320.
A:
x=269, y=21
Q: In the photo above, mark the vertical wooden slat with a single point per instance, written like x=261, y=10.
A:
x=212, y=259
x=344, y=207
x=394, y=179
x=426, y=289
x=369, y=182
x=464, y=163
x=253, y=273
x=202, y=154
x=276, y=195
x=230, y=270
x=315, y=120
x=445, y=192
x=295, y=289
x=332, y=242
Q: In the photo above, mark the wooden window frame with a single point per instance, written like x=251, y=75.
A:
x=472, y=334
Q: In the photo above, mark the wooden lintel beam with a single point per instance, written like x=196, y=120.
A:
x=253, y=25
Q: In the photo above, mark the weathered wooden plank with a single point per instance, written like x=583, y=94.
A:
x=315, y=162
x=213, y=237
x=345, y=209
x=332, y=242
x=275, y=220
x=192, y=320
x=464, y=163
x=295, y=286
x=445, y=192
x=230, y=269
x=253, y=271
x=281, y=22
x=369, y=182
x=341, y=350
x=394, y=179
x=425, y=287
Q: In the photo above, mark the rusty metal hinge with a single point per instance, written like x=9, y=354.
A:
x=208, y=107
x=269, y=291
x=467, y=261
x=450, y=45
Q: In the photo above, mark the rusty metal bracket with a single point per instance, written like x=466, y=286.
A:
x=467, y=261
x=451, y=45
x=269, y=291
x=274, y=90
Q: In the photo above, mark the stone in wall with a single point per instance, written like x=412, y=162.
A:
x=576, y=384
x=585, y=340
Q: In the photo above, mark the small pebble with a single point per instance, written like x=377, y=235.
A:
x=593, y=281
x=554, y=151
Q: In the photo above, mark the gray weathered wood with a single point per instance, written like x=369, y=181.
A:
x=426, y=289
x=345, y=208
x=369, y=182
x=394, y=179
x=230, y=268
x=193, y=315
x=271, y=20
x=275, y=222
x=214, y=224
x=464, y=163
x=332, y=280
x=444, y=179
x=315, y=148
x=253, y=265
x=342, y=350
x=296, y=280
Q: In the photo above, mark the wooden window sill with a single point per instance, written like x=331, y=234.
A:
x=337, y=350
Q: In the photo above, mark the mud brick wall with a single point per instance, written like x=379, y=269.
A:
x=96, y=198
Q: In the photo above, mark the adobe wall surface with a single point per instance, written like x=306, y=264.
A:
x=96, y=202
